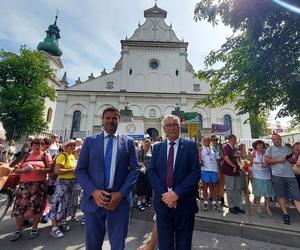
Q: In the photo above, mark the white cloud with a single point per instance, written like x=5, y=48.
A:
x=91, y=30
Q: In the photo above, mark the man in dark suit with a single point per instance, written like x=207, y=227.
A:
x=174, y=171
x=107, y=168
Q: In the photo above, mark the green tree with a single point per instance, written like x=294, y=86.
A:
x=258, y=125
x=23, y=90
x=260, y=62
x=294, y=125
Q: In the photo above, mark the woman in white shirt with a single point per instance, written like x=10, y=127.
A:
x=209, y=174
x=261, y=177
x=54, y=146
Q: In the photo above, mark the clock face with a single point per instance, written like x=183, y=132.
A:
x=153, y=65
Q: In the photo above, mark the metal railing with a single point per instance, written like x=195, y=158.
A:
x=64, y=135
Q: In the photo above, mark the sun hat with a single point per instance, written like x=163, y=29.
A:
x=71, y=141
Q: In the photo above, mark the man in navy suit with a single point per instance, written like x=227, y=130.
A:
x=107, y=168
x=173, y=174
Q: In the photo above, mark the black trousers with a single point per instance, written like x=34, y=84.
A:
x=175, y=231
x=143, y=187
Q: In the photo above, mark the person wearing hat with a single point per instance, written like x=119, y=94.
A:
x=79, y=142
x=31, y=194
x=62, y=201
x=107, y=169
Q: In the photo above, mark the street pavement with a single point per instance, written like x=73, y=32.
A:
x=137, y=235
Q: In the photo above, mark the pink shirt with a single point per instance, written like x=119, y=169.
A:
x=37, y=162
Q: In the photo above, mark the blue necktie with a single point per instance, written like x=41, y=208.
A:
x=107, y=160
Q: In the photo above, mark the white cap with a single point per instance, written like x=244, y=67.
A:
x=71, y=141
x=79, y=140
x=146, y=136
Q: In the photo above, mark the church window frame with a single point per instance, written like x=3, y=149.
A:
x=154, y=64
x=110, y=85
x=227, y=121
x=49, y=115
x=152, y=113
x=76, y=121
x=200, y=121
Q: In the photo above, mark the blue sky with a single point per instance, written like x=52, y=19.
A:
x=91, y=30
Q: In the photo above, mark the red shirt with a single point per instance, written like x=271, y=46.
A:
x=232, y=154
x=37, y=162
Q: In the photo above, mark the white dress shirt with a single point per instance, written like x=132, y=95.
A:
x=175, y=149
x=114, y=155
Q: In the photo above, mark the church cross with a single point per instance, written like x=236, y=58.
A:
x=155, y=29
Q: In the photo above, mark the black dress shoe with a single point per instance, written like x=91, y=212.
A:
x=233, y=211
x=239, y=210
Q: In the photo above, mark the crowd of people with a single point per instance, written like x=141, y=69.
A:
x=47, y=188
x=56, y=177
x=222, y=166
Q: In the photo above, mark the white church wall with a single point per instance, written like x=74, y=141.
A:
x=100, y=83
x=162, y=79
x=139, y=82
x=137, y=110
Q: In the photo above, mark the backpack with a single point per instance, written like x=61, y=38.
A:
x=53, y=175
x=65, y=159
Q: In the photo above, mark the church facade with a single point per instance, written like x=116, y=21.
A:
x=152, y=78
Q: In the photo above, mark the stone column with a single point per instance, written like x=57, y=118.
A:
x=60, y=113
x=91, y=111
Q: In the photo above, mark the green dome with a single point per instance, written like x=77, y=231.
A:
x=50, y=43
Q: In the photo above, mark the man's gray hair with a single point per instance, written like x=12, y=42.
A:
x=173, y=117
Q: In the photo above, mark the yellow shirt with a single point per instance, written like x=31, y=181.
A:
x=68, y=161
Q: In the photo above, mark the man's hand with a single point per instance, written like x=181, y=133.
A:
x=115, y=200
x=101, y=197
x=170, y=198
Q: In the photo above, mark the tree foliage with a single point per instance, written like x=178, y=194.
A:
x=259, y=126
x=294, y=125
x=261, y=60
x=23, y=90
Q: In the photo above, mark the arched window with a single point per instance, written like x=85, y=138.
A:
x=200, y=121
x=228, y=122
x=49, y=114
x=76, y=122
x=152, y=113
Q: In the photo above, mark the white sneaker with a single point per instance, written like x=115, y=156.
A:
x=290, y=205
x=56, y=233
